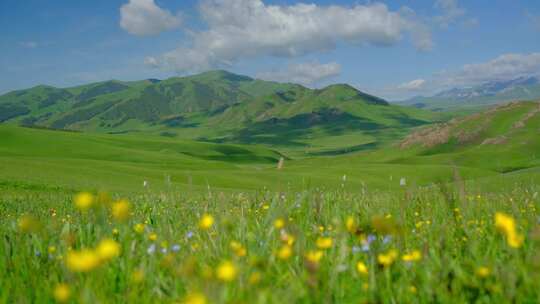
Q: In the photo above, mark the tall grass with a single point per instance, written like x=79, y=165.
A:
x=463, y=258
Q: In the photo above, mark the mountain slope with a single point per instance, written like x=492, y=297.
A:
x=222, y=107
x=524, y=88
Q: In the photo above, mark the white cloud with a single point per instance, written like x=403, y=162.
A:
x=238, y=29
x=413, y=85
x=503, y=68
x=303, y=73
x=452, y=12
x=144, y=17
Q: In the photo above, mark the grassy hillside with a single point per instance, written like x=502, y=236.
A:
x=220, y=107
x=500, y=144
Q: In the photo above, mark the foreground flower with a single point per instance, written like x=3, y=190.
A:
x=361, y=268
x=62, y=293
x=226, y=271
x=285, y=252
x=279, y=223
x=108, y=249
x=482, y=272
x=206, y=222
x=139, y=228
x=412, y=256
x=324, y=242
x=120, y=210
x=314, y=256
x=195, y=298
x=238, y=249
x=507, y=225
x=387, y=259
x=84, y=201
x=82, y=261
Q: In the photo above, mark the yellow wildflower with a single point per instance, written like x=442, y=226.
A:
x=483, y=272
x=226, y=271
x=412, y=256
x=62, y=293
x=324, y=242
x=152, y=237
x=279, y=223
x=387, y=259
x=84, y=200
x=206, y=222
x=350, y=224
x=238, y=249
x=82, y=261
x=108, y=249
x=120, y=210
x=139, y=228
x=361, y=268
x=51, y=250
x=507, y=225
x=287, y=238
x=195, y=298
x=314, y=256
x=285, y=252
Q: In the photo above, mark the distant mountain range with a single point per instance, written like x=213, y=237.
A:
x=524, y=88
x=215, y=106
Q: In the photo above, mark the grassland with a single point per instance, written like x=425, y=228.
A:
x=408, y=221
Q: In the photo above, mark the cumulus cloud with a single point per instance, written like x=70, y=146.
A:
x=413, y=85
x=246, y=28
x=144, y=17
x=303, y=73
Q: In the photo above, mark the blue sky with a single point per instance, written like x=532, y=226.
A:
x=395, y=49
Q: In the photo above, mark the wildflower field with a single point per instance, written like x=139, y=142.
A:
x=417, y=245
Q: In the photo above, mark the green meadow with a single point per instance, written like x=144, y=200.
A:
x=262, y=192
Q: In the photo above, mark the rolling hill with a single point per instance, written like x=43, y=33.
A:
x=496, y=92
x=219, y=106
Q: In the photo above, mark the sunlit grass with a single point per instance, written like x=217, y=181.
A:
x=420, y=246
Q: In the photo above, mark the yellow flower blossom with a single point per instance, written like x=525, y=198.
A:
x=483, y=272
x=507, y=225
x=285, y=252
x=412, y=256
x=62, y=293
x=139, y=228
x=238, y=248
x=206, y=222
x=279, y=223
x=361, y=268
x=195, y=298
x=108, y=249
x=350, y=224
x=387, y=259
x=152, y=237
x=82, y=261
x=314, y=256
x=120, y=210
x=84, y=201
x=324, y=242
x=226, y=271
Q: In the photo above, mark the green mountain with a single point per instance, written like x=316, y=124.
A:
x=222, y=107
